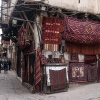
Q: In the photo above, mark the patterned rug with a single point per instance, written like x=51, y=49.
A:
x=77, y=72
x=51, y=29
x=58, y=79
x=38, y=74
x=81, y=31
x=92, y=72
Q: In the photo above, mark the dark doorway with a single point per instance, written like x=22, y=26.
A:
x=31, y=68
x=19, y=62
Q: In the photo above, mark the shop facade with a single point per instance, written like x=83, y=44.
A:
x=58, y=59
x=55, y=50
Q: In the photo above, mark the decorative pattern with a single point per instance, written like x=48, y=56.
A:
x=92, y=72
x=77, y=72
x=21, y=34
x=58, y=79
x=81, y=31
x=52, y=27
x=38, y=74
x=23, y=37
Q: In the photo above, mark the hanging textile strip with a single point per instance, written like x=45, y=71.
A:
x=22, y=37
x=52, y=27
x=38, y=74
x=51, y=47
x=58, y=79
x=81, y=31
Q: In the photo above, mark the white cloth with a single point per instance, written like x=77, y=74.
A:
x=81, y=58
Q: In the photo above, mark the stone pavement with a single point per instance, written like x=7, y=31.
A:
x=11, y=89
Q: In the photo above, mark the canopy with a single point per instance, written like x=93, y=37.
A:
x=78, y=31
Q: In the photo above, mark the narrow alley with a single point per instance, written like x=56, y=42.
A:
x=12, y=89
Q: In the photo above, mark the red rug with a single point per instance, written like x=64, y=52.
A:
x=38, y=73
x=77, y=72
x=51, y=29
x=58, y=79
x=81, y=31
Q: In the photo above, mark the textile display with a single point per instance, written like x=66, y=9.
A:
x=23, y=36
x=58, y=79
x=38, y=74
x=79, y=31
x=51, y=30
x=92, y=72
x=87, y=49
x=90, y=58
x=74, y=58
x=77, y=72
x=55, y=68
x=51, y=47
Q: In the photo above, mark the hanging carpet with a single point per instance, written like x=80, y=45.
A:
x=58, y=79
x=92, y=72
x=78, y=31
x=38, y=74
x=51, y=30
x=77, y=72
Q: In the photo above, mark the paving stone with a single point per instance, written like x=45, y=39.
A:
x=12, y=89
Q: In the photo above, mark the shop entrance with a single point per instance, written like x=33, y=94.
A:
x=29, y=68
x=19, y=63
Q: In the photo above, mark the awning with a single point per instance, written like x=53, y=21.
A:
x=78, y=31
